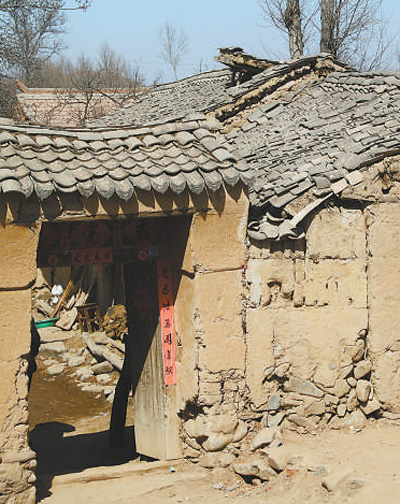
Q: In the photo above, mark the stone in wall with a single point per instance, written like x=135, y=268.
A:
x=211, y=421
x=307, y=404
x=214, y=432
x=308, y=341
x=18, y=461
x=223, y=388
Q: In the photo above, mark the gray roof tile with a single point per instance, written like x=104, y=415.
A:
x=213, y=180
x=184, y=137
x=230, y=176
x=42, y=176
x=118, y=174
x=6, y=137
x=195, y=182
x=86, y=188
x=150, y=140
x=58, y=142
x=123, y=189
x=43, y=191
x=11, y=185
x=117, y=162
x=140, y=181
x=64, y=179
x=303, y=138
x=98, y=145
x=25, y=140
x=178, y=183
x=43, y=141
x=105, y=186
x=27, y=185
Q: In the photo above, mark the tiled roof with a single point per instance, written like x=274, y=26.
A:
x=304, y=142
x=319, y=141
x=206, y=92
x=173, y=156
x=173, y=101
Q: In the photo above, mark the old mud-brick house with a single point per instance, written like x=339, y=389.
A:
x=254, y=210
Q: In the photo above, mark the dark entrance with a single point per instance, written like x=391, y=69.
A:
x=131, y=249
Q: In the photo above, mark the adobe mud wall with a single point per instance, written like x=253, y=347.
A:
x=212, y=380
x=320, y=320
x=307, y=324
x=215, y=247
x=18, y=246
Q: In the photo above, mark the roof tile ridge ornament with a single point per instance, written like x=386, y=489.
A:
x=239, y=61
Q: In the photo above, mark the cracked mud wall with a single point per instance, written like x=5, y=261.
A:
x=307, y=319
x=217, y=255
x=18, y=246
x=384, y=300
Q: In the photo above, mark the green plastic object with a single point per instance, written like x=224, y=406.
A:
x=48, y=322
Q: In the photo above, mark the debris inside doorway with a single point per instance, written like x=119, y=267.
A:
x=115, y=323
x=65, y=363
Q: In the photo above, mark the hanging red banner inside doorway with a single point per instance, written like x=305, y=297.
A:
x=166, y=303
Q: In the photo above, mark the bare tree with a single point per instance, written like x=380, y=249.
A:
x=327, y=41
x=117, y=72
x=174, y=44
x=286, y=16
x=352, y=30
x=38, y=4
x=89, y=89
x=8, y=98
x=31, y=33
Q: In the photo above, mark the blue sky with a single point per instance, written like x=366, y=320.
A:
x=132, y=28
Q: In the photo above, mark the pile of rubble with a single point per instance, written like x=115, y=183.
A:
x=221, y=435
x=260, y=455
x=344, y=401
x=94, y=358
x=66, y=352
x=56, y=302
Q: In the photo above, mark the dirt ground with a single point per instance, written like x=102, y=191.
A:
x=69, y=432
x=358, y=468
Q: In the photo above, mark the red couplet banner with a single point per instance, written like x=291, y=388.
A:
x=92, y=256
x=166, y=303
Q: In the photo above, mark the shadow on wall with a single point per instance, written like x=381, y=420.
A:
x=60, y=452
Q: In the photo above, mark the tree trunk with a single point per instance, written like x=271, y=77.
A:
x=327, y=43
x=293, y=25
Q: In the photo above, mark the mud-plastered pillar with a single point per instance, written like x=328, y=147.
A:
x=18, y=246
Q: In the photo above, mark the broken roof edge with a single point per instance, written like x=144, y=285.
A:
x=274, y=77
x=290, y=225
x=238, y=60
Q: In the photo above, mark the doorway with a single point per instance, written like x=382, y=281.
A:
x=130, y=250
